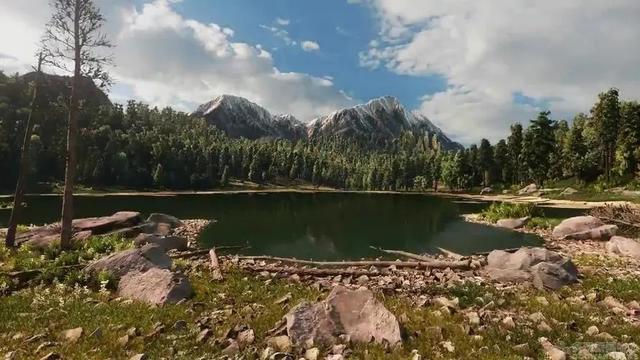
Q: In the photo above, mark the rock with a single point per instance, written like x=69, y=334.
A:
x=545, y=268
x=513, y=223
x=528, y=190
x=312, y=354
x=568, y=191
x=232, y=349
x=266, y=353
x=522, y=349
x=592, y=330
x=583, y=228
x=72, y=335
x=101, y=225
x=542, y=300
x=473, y=318
x=165, y=242
x=584, y=354
x=486, y=190
x=552, y=352
x=448, y=346
x=280, y=343
x=537, y=317
x=613, y=304
x=180, y=325
x=444, y=302
x=355, y=313
x=246, y=337
x=203, y=336
x=616, y=355
x=164, y=218
x=334, y=357
x=139, y=357
x=508, y=323
x=45, y=236
x=624, y=247
x=604, y=336
x=142, y=259
x=123, y=341
x=155, y=286
x=544, y=327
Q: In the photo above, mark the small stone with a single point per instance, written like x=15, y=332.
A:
x=584, y=354
x=133, y=332
x=246, y=337
x=312, y=354
x=592, y=330
x=232, y=349
x=139, y=357
x=473, y=317
x=552, y=352
x=444, y=302
x=280, y=343
x=542, y=300
x=123, y=341
x=204, y=335
x=283, y=300
x=72, y=335
x=334, y=357
x=415, y=355
x=338, y=349
x=604, y=336
x=544, y=327
x=521, y=349
x=616, y=355
x=508, y=323
x=266, y=353
x=180, y=325
x=448, y=345
x=537, y=317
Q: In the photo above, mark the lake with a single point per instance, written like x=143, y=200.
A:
x=323, y=226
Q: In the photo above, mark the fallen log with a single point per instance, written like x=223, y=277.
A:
x=315, y=272
x=451, y=254
x=403, y=254
x=430, y=264
x=215, y=265
x=202, y=252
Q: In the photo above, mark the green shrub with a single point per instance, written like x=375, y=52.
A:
x=104, y=245
x=499, y=211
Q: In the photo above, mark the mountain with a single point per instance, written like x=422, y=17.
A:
x=381, y=119
x=239, y=117
x=378, y=121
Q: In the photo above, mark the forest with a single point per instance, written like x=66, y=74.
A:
x=136, y=146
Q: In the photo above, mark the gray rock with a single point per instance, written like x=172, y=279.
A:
x=528, y=190
x=513, y=223
x=624, y=246
x=142, y=259
x=165, y=242
x=164, y=218
x=583, y=228
x=101, y=225
x=155, y=286
x=544, y=268
x=355, y=313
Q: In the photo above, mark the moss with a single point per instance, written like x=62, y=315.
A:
x=499, y=211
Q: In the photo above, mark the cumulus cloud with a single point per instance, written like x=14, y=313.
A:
x=567, y=51
x=283, y=22
x=310, y=46
x=167, y=59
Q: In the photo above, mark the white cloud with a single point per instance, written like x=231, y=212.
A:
x=310, y=46
x=488, y=50
x=282, y=34
x=166, y=59
x=283, y=22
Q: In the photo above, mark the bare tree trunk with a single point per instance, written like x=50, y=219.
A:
x=23, y=173
x=72, y=134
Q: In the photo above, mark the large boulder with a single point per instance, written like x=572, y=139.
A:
x=164, y=218
x=624, y=247
x=165, y=242
x=155, y=286
x=101, y=225
x=142, y=259
x=584, y=228
x=542, y=267
x=355, y=313
x=513, y=223
x=528, y=190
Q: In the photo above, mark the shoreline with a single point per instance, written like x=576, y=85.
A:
x=472, y=198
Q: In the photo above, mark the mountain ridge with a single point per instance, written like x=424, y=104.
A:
x=379, y=120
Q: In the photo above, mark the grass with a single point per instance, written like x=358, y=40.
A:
x=499, y=211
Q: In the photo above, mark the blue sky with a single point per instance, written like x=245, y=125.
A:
x=342, y=30
x=471, y=66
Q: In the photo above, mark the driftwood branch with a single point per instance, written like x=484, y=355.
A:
x=621, y=222
x=215, y=265
x=430, y=264
x=315, y=272
x=450, y=253
x=403, y=254
x=203, y=252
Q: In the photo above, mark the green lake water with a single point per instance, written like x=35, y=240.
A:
x=324, y=226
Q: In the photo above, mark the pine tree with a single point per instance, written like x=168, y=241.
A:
x=503, y=168
x=485, y=161
x=515, y=146
x=606, y=118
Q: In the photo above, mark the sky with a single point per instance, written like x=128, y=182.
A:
x=471, y=66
